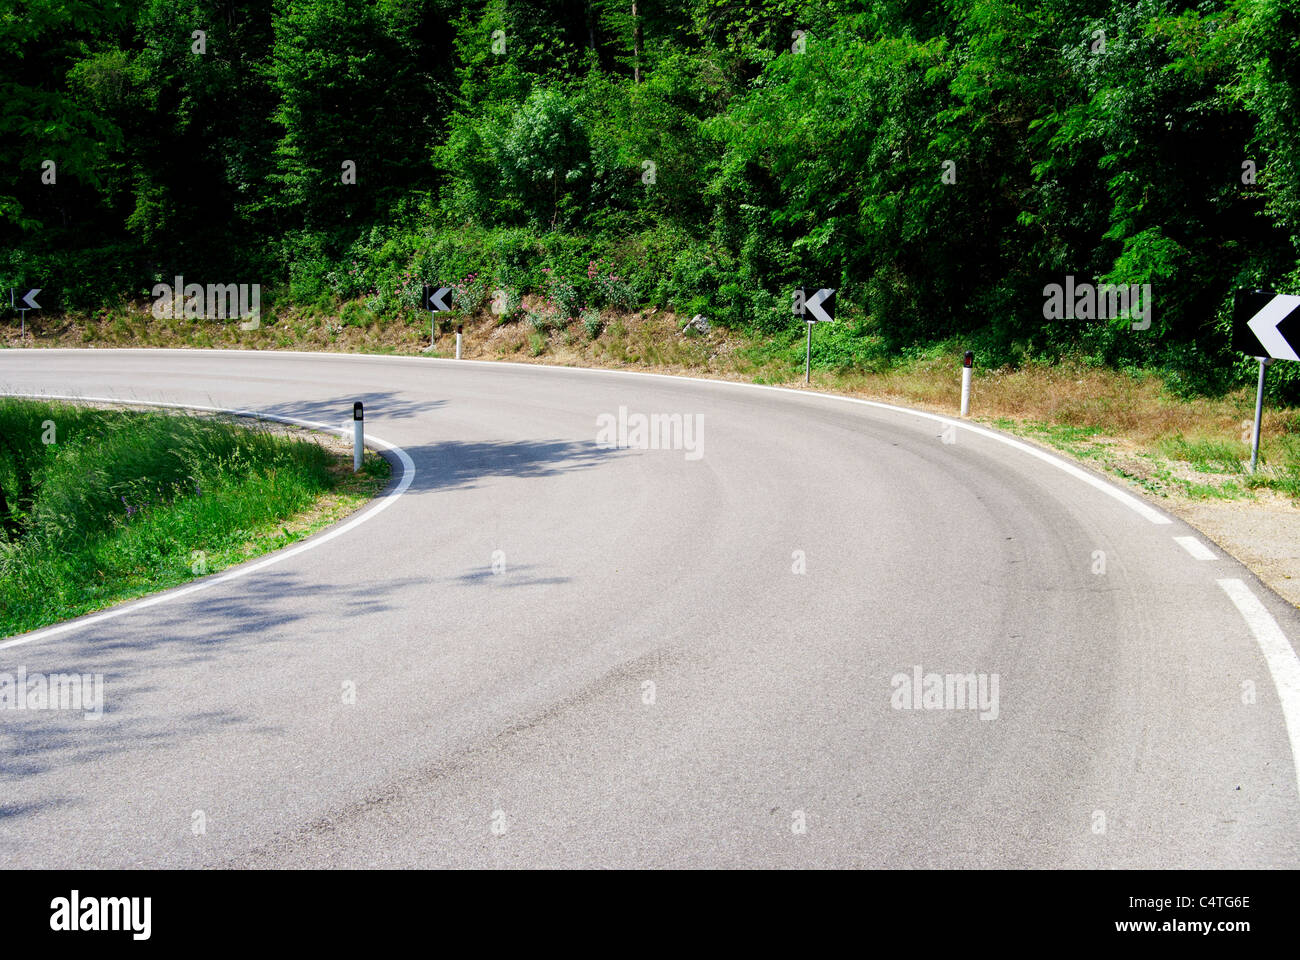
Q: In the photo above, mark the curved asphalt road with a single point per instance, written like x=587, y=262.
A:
x=501, y=719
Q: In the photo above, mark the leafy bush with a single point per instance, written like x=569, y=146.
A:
x=469, y=294
x=544, y=317
x=609, y=288
x=355, y=314
x=592, y=322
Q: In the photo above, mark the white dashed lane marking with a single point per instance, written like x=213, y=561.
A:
x=1198, y=550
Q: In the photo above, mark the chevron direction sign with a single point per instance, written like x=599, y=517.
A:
x=819, y=308
x=1266, y=324
x=435, y=298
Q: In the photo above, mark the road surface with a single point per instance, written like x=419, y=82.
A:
x=551, y=651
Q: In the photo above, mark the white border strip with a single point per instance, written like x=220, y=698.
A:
x=244, y=569
x=1282, y=662
x=1198, y=550
x=1135, y=504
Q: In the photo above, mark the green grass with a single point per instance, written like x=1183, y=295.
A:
x=122, y=503
x=836, y=347
x=1080, y=442
x=1279, y=465
x=1207, y=456
x=1163, y=466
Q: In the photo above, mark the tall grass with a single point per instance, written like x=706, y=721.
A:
x=124, y=501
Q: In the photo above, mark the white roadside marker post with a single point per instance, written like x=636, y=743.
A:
x=459, y=328
x=966, y=364
x=358, y=435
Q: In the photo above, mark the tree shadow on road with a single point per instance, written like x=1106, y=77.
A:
x=459, y=464
x=519, y=576
x=148, y=656
x=449, y=464
x=379, y=406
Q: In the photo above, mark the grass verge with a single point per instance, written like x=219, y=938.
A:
x=101, y=505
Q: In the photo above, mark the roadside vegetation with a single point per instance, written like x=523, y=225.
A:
x=937, y=163
x=101, y=505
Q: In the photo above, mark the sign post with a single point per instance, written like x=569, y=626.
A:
x=1259, y=413
x=807, y=355
x=819, y=308
x=1265, y=325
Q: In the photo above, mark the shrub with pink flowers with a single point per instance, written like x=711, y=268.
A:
x=608, y=288
x=545, y=315
x=468, y=294
x=561, y=295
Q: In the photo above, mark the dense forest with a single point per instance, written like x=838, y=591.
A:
x=937, y=161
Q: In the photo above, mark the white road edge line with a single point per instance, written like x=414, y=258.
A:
x=1278, y=654
x=1130, y=501
x=1097, y=483
x=243, y=570
x=1198, y=550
